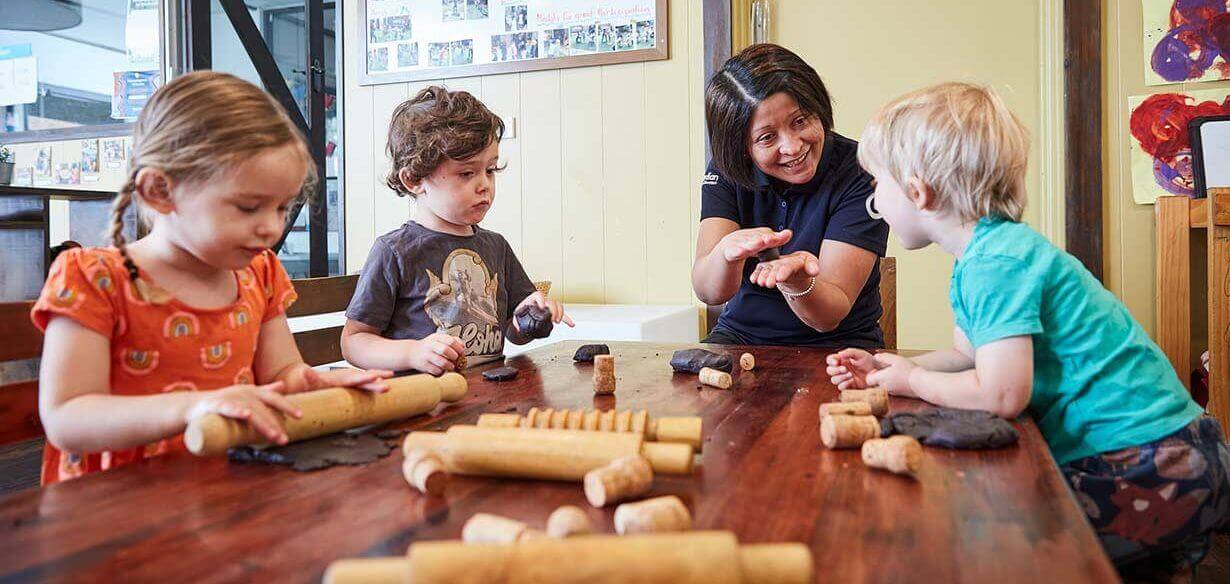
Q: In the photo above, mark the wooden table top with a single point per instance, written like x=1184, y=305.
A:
x=986, y=516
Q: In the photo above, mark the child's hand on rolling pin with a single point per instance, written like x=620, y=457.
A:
x=745, y=243
x=555, y=307
x=893, y=373
x=848, y=368
x=435, y=354
x=254, y=404
x=794, y=270
x=371, y=379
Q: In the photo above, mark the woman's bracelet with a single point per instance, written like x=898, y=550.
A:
x=810, y=285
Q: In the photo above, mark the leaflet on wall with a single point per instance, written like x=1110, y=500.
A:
x=18, y=75
x=141, y=35
x=131, y=92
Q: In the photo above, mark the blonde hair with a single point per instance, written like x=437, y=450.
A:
x=197, y=126
x=961, y=141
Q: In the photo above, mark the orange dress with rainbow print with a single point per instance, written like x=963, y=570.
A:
x=157, y=346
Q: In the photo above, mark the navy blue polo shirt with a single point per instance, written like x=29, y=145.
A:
x=830, y=206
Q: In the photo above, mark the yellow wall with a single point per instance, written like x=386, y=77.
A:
x=1129, y=234
x=869, y=52
x=601, y=192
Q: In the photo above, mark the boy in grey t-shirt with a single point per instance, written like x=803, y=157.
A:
x=440, y=286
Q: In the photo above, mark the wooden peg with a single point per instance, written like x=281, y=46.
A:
x=488, y=528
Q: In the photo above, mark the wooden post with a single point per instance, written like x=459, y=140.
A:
x=1174, y=272
x=1219, y=306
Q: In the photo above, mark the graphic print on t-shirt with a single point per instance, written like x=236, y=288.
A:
x=462, y=302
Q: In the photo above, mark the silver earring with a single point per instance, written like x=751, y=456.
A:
x=871, y=207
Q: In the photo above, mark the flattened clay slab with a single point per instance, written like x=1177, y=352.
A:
x=534, y=321
x=317, y=453
x=501, y=374
x=586, y=353
x=952, y=428
x=693, y=360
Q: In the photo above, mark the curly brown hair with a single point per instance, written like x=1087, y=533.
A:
x=435, y=125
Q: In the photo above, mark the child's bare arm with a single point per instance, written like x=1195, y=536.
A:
x=80, y=414
x=278, y=359
x=959, y=358
x=363, y=346
x=1001, y=381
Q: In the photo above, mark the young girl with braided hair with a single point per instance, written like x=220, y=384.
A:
x=188, y=320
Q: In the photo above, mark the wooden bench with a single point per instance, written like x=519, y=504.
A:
x=888, y=300
x=321, y=296
x=21, y=432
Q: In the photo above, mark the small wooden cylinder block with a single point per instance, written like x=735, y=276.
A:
x=848, y=431
x=900, y=454
x=653, y=515
x=876, y=397
x=488, y=528
x=845, y=409
x=747, y=362
x=568, y=521
x=424, y=471
x=604, y=374
x=620, y=480
x=715, y=378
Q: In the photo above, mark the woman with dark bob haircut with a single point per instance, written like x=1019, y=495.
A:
x=787, y=237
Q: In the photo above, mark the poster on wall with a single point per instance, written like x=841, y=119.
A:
x=18, y=75
x=131, y=90
x=89, y=161
x=1185, y=40
x=42, y=166
x=410, y=40
x=1161, y=154
x=113, y=153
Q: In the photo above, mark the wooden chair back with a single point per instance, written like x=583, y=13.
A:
x=321, y=296
x=19, y=398
x=888, y=301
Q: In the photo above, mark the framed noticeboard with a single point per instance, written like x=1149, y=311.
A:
x=411, y=40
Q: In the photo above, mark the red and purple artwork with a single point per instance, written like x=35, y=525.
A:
x=1190, y=41
x=1159, y=129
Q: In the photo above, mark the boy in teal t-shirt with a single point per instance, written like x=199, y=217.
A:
x=1036, y=331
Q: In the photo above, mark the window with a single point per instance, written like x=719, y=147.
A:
x=95, y=73
x=283, y=27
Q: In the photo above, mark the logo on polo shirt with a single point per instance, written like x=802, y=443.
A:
x=709, y=179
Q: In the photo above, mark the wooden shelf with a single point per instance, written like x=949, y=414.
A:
x=57, y=194
x=21, y=224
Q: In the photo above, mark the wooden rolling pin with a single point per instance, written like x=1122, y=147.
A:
x=563, y=455
x=697, y=557
x=330, y=410
x=685, y=429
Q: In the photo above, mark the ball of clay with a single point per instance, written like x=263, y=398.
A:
x=534, y=321
x=586, y=353
x=693, y=360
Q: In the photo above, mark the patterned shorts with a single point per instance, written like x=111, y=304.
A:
x=1156, y=506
